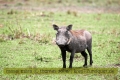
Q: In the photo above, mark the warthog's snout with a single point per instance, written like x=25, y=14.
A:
x=62, y=42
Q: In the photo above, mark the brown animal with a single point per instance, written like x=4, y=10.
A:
x=73, y=41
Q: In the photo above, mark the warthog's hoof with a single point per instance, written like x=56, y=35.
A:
x=64, y=66
x=90, y=64
x=70, y=66
x=84, y=65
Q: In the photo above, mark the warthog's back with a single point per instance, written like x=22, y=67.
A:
x=81, y=33
x=80, y=40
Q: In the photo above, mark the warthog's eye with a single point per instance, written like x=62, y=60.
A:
x=66, y=32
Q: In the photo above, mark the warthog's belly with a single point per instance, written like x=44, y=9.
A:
x=80, y=48
x=77, y=48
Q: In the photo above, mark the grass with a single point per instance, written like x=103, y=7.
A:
x=26, y=41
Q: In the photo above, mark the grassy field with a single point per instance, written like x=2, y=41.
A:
x=27, y=39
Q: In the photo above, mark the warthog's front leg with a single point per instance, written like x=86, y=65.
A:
x=71, y=58
x=63, y=53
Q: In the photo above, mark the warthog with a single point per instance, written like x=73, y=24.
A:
x=73, y=41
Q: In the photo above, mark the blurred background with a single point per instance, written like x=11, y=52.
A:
x=63, y=5
x=27, y=37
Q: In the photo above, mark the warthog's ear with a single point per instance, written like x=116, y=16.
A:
x=55, y=27
x=69, y=27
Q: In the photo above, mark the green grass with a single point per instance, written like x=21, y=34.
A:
x=26, y=41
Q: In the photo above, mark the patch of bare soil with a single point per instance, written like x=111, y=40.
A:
x=117, y=65
x=52, y=8
x=84, y=9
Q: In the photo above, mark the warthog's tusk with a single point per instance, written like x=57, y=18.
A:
x=69, y=41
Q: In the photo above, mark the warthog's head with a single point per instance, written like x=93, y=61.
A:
x=63, y=35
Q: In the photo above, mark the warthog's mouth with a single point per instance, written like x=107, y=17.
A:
x=61, y=45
